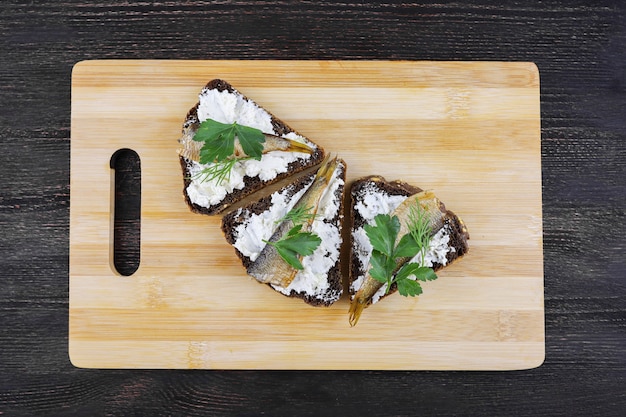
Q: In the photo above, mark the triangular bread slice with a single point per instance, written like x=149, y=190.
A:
x=373, y=195
x=221, y=102
x=246, y=228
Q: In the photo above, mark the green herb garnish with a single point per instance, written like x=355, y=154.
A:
x=298, y=215
x=386, y=254
x=218, y=147
x=419, y=228
x=218, y=171
x=295, y=243
x=219, y=141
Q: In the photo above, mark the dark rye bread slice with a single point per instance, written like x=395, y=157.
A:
x=234, y=218
x=361, y=187
x=252, y=184
x=241, y=215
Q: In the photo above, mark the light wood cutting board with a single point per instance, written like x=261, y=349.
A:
x=470, y=131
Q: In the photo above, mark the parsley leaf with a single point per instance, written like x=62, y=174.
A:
x=407, y=247
x=409, y=288
x=421, y=273
x=295, y=243
x=251, y=140
x=383, y=234
x=219, y=140
x=380, y=270
x=388, y=259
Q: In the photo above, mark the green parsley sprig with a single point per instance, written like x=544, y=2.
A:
x=386, y=255
x=219, y=140
x=218, y=147
x=296, y=243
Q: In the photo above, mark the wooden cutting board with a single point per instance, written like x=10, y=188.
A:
x=470, y=131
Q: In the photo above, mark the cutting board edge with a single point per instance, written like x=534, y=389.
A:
x=87, y=63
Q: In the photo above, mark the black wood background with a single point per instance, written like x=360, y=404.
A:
x=580, y=49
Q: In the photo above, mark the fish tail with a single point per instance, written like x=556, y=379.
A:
x=278, y=143
x=285, y=281
x=356, y=308
x=295, y=146
x=327, y=169
x=190, y=154
x=190, y=149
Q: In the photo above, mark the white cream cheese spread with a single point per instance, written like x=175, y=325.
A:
x=227, y=107
x=250, y=234
x=313, y=279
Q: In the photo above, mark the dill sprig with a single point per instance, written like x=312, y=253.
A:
x=298, y=215
x=420, y=229
x=217, y=171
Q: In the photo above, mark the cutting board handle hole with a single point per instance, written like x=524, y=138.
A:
x=126, y=210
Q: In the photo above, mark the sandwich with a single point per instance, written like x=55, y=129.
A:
x=400, y=235
x=291, y=240
x=231, y=147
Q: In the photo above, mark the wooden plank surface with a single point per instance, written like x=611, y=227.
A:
x=468, y=130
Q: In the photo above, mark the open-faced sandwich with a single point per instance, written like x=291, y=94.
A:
x=400, y=235
x=291, y=239
x=232, y=147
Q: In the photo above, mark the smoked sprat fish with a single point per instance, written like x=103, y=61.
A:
x=270, y=267
x=435, y=212
x=191, y=148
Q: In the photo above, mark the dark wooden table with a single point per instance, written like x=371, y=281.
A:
x=580, y=49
